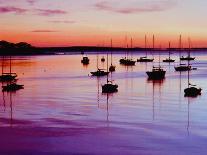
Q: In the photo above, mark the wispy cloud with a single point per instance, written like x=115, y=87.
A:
x=31, y=2
x=63, y=21
x=139, y=7
x=48, y=12
x=44, y=31
x=10, y=9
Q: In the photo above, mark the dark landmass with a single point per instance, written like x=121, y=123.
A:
x=23, y=48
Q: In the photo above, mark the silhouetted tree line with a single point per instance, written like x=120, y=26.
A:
x=21, y=48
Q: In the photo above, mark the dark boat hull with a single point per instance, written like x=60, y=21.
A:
x=192, y=92
x=145, y=60
x=99, y=73
x=168, y=60
x=103, y=60
x=187, y=58
x=183, y=68
x=12, y=87
x=156, y=75
x=127, y=62
x=85, y=61
x=109, y=88
x=5, y=78
x=112, y=68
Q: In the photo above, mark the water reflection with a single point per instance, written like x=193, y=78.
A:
x=7, y=99
x=76, y=103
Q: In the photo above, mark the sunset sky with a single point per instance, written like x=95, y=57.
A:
x=95, y=22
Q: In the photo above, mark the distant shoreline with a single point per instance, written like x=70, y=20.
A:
x=22, y=48
x=85, y=50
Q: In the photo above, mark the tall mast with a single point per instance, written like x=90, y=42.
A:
x=127, y=50
x=189, y=49
x=2, y=69
x=188, y=63
x=97, y=61
x=180, y=47
x=10, y=66
x=145, y=44
x=126, y=53
x=131, y=46
x=153, y=42
x=111, y=51
x=107, y=67
x=169, y=49
x=159, y=54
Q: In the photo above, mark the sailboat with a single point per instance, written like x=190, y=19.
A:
x=12, y=85
x=145, y=59
x=126, y=61
x=169, y=59
x=109, y=87
x=5, y=77
x=99, y=72
x=182, y=67
x=188, y=58
x=103, y=59
x=157, y=73
x=85, y=60
x=112, y=68
x=192, y=90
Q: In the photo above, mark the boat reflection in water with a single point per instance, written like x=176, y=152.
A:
x=155, y=83
x=8, y=97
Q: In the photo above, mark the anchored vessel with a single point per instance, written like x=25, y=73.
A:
x=157, y=73
x=12, y=87
x=109, y=87
x=6, y=77
x=188, y=58
x=112, y=68
x=85, y=60
x=192, y=90
x=127, y=61
x=182, y=67
x=145, y=59
x=102, y=59
x=99, y=72
x=169, y=59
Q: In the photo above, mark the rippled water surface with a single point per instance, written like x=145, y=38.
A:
x=62, y=110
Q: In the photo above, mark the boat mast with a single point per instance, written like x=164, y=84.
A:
x=111, y=51
x=159, y=55
x=169, y=49
x=180, y=47
x=2, y=69
x=10, y=65
x=126, y=53
x=107, y=67
x=189, y=49
x=97, y=57
x=145, y=44
x=131, y=46
x=153, y=42
x=188, y=63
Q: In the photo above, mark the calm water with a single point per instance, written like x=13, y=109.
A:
x=62, y=110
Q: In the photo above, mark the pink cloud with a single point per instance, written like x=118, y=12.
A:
x=154, y=6
x=43, y=31
x=48, y=12
x=10, y=9
x=63, y=21
x=31, y=2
